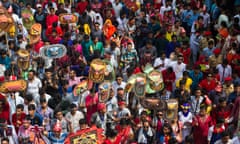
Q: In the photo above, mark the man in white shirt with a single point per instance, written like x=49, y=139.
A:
x=117, y=7
x=14, y=99
x=161, y=63
x=74, y=116
x=225, y=139
x=119, y=83
x=34, y=84
x=178, y=67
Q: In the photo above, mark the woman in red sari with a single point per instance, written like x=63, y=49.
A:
x=201, y=124
x=91, y=103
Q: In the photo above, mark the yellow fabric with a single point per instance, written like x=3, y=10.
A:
x=12, y=31
x=60, y=1
x=187, y=85
x=87, y=29
x=169, y=36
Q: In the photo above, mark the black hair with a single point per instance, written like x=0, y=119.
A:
x=57, y=111
x=19, y=37
x=167, y=125
x=73, y=106
x=225, y=133
x=5, y=139
x=42, y=100
x=32, y=72
x=222, y=99
x=185, y=73
x=31, y=107
x=82, y=121
x=20, y=106
x=172, y=140
x=219, y=120
x=120, y=88
x=29, y=97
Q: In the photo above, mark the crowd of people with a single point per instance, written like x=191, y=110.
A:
x=195, y=44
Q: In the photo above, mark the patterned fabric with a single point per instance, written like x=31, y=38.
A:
x=129, y=57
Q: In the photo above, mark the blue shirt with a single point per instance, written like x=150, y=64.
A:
x=184, y=15
x=5, y=61
x=208, y=52
x=193, y=18
x=37, y=119
x=195, y=79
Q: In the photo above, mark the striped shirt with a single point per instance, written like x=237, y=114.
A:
x=55, y=140
x=129, y=57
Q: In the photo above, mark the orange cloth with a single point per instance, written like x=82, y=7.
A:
x=109, y=29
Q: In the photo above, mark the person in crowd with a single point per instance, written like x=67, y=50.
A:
x=46, y=112
x=196, y=101
x=187, y=80
x=178, y=67
x=186, y=117
x=74, y=116
x=146, y=134
x=201, y=124
x=215, y=131
x=91, y=102
x=56, y=135
x=208, y=84
x=18, y=117
x=34, y=84
x=35, y=118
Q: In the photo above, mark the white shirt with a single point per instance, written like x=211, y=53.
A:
x=220, y=142
x=122, y=24
x=14, y=102
x=206, y=19
x=2, y=70
x=224, y=72
x=112, y=104
x=185, y=119
x=117, y=8
x=178, y=69
x=235, y=140
x=74, y=119
x=115, y=86
x=159, y=61
x=33, y=87
x=124, y=112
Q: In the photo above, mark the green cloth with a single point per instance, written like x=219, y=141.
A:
x=98, y=47
x=86, y=48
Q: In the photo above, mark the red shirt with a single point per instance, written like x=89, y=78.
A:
x=186, y=55
x=168, y=79
x=58, y=29
x=81, y=7
x=54, y=40
x=208, y=86
x=16, y=118
x=51, y=19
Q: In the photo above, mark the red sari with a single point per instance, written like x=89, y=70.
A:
x=91, y=105
x=200, y=131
